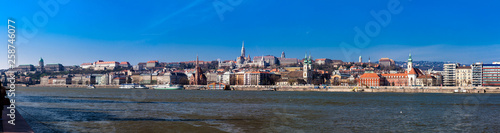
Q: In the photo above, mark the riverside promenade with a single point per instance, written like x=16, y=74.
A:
x=21, y=126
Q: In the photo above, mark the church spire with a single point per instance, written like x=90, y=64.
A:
x=243, y=49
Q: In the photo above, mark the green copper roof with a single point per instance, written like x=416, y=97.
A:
x=409, y=59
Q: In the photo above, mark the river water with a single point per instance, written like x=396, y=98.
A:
x=122, y=110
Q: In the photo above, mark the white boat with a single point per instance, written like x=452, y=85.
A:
x=91, y=87
x=168, y=87
x=132, y=86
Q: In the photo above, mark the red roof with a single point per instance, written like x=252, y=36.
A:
x=124, y=63
x=83, y=64
x=153, y=61
x=369, y=75
x=415, y=71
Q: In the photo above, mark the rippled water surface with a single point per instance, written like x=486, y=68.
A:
x=121, y=110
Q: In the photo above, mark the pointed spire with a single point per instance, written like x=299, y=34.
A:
x=243, y=49
x=196, y=60
x=409, y=58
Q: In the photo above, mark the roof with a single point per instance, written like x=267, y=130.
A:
x=415, y=71
x=369, y=75
x=124, y=63
x=153, y=61
x=258, y=72
x=394, y=74
x=464, y=67
x=425, y=76
x=83, y=64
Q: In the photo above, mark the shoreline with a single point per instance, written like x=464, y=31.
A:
x=390, y=89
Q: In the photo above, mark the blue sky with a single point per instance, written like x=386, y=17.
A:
x=137, y=31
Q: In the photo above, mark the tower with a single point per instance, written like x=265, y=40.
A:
x=410, y=63
x=197, y=73
x=306, y=74
x=243, y=49
x=41, y=64
x=412, y=74
x=262, y=63
x=283, y=54
x=360, y=59
x=369, y=60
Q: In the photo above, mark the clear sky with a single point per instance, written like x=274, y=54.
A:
x=78, y=31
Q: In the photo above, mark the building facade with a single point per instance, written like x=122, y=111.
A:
x=370, y=79
x=477, y=74
x=463, y=76
x=449, y=74
x=491, y=75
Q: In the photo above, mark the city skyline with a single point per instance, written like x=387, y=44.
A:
x=178, y=31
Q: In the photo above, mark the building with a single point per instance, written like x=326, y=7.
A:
x=288, y=61
x=83, y=80
x=323, y=61
x=54, y=67
x=152, y=64
x=228, y=63
x=119, y=80
x=360, y=59
x=198, y=78
x=477, y=74
x=306, y=69
x=370, y=79
x=25, y=68
x=257, y=78
x=87, y=65
x=228, y=78
x=426, y=80
x=141, y=66
x=125, y=65
x=449, y=74
x=108, y=65
x=268, y=60
x=491, y=75
x=173, y=78
x=395, y=79
x=386, y=62
x=61, y=81
x=41, y=65
x=241, y=60
x=463, y=76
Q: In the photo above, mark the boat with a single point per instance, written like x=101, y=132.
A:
x=132, y=86
x=91, y=87
x=218, y=86
x=168, y=87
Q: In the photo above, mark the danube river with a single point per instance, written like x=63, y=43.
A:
x=121, y=110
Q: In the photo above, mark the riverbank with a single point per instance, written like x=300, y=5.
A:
x=392, y=89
